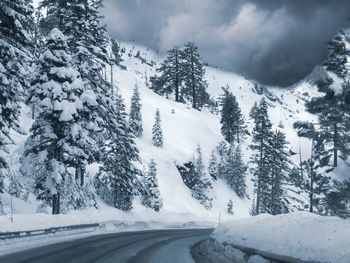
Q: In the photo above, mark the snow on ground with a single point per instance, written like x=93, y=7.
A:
x=299, y=235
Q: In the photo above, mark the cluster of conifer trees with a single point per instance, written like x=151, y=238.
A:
x=182, y=74
x=54, y=64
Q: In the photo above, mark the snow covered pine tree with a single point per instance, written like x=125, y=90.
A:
x=234, y=171
x=171, y=72
x=157, y=133
x=201, y=184
x=332, y=109
x=213, y=166
x=261, y=148
x=119, y=172
x=151, y=198
x=135, y=118
x=194, y=82
x=15, y=56
x=60, y=133
x=232, y=121
x=230, y=207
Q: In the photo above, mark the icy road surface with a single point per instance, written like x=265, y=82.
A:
x=153, y=246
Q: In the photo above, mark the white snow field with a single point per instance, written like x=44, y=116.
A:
x=299, y=235
x=184, y=129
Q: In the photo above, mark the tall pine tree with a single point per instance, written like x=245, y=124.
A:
x=333, y=109
x=61, y=132
x=261, y=148
x=119, y=172
x=170, y=74
x=135, y=118
x=15, y=57
x=280, y=171
x=315, y=182
x=232, y=121
x=194, y=83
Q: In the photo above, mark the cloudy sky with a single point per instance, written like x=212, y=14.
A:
x=276, y=42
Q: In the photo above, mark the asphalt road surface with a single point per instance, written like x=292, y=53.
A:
x=153, y=246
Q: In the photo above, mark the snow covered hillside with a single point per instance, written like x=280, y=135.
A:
x=184, y=129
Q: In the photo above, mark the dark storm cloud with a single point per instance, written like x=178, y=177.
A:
x=277, y=42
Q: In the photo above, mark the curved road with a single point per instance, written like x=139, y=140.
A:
x=152, y=246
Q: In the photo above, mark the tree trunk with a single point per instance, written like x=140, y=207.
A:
x=259, y=180
x=76, y=173
x=311, y=189
x=193, y=84
x=112, y=81
x=82, y=174
x=335, y=146
x=312, y=179
x=177, y=77
x=56, y=204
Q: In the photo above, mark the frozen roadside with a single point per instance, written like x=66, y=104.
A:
x=294, y=237
x=12, y=245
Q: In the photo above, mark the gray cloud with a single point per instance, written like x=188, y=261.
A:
x=276, y=42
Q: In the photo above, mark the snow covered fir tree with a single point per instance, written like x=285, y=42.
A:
x=60, y=139
x=135, y=119
x=157, y=133
x=15, y=57
x=151, y=198
x=99, y=130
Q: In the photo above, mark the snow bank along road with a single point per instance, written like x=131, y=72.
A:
x=153, y=246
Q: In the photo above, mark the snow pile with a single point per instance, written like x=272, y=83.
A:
x=299, y=235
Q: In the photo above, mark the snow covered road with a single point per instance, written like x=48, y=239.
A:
x=154, y=246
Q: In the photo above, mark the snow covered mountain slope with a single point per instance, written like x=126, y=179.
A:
x=184, y=129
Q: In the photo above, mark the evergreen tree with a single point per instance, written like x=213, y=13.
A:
x=339, y=54
x=261, y=148
x=119, y=172
x=15, y=187
x=280, y=171
x=135, y=119
x=234, y=171
x=80, y=21
x=333, y=109
x=151, y=198
x=157, y=133
x=222, y=150
x=315, y=182
x=232, y=121
x=171, y=74
x=338, y=199
x=201, y=184
x=213, y=166
x=182, y=73
x=116, y=52
x=15, y=56
x=2, y=211
x=194, y=83
x=230, y=207
x=60, y=137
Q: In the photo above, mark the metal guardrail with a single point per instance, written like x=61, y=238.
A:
x=38, y=232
